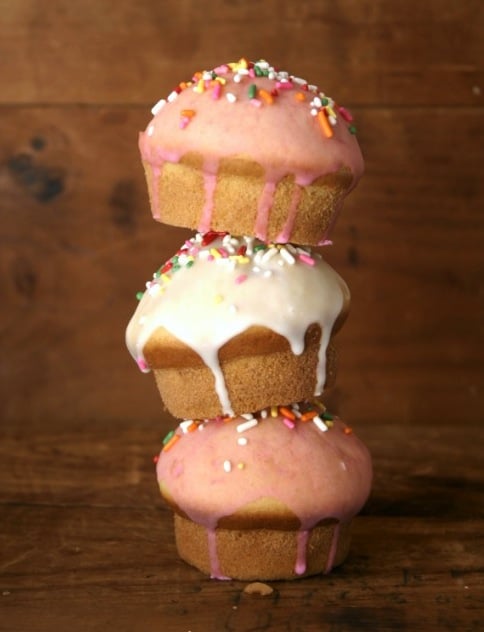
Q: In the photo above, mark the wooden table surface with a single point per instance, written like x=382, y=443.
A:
x=85, y=541
x=87, y=544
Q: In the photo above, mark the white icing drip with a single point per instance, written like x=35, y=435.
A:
x=220, y=296
x=210, y=358
x=321, y=372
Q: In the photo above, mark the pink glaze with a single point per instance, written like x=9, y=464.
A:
x=285, y=235
x=316, y=474
x=283, y=137
x=216, y=572
x=302, y=545
x=155, y=195
x=263, y=210
x=210, y=184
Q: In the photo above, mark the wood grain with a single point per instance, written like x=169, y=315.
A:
x=85, y=541
x=414, y=334
x=427, y=54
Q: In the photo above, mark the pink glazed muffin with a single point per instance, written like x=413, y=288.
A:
x=265, y=496
x=252, y=150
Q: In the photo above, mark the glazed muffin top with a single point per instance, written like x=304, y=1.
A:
x=284, y=468
x=255, y=113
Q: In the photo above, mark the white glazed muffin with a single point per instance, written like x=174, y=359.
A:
x=231, y=324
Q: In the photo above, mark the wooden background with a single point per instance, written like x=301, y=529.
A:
x=79, y=423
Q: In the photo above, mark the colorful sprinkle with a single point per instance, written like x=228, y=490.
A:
x=346, y=114
x=158, y=106
x=188, y=426
x=267, y=97
x=284, y=85
x=168, y=437
x=290, y=416
x=241, y=278
x=324, y=123
x=286, y=412
x=305, y=258
x=227, y=466
x=286, y=255
x=247, y=425
x=320, y=423
x=311, y=414
x=217, y=80
x=217, y=90
x=174, y=439
x=207, y=238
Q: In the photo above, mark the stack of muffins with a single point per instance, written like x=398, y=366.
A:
x=238, y=325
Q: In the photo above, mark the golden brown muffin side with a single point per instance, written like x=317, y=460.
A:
x=263, y=554
x=253, y=382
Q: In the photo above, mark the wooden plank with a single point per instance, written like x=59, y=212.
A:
x=86, y=543
x=78, y=241
x=97, y=567
x=364, y=53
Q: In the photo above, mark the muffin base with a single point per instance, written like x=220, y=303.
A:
x=262, y=554
x=297, y=214
x=252, y=382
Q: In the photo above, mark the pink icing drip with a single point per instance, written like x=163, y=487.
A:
x=215, y=571
x=333, y=549
x=265, y=204
x=210, y=183
x=302, y=545
x=286, y=232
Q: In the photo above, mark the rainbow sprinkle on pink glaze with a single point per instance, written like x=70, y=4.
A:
x=218, y=80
